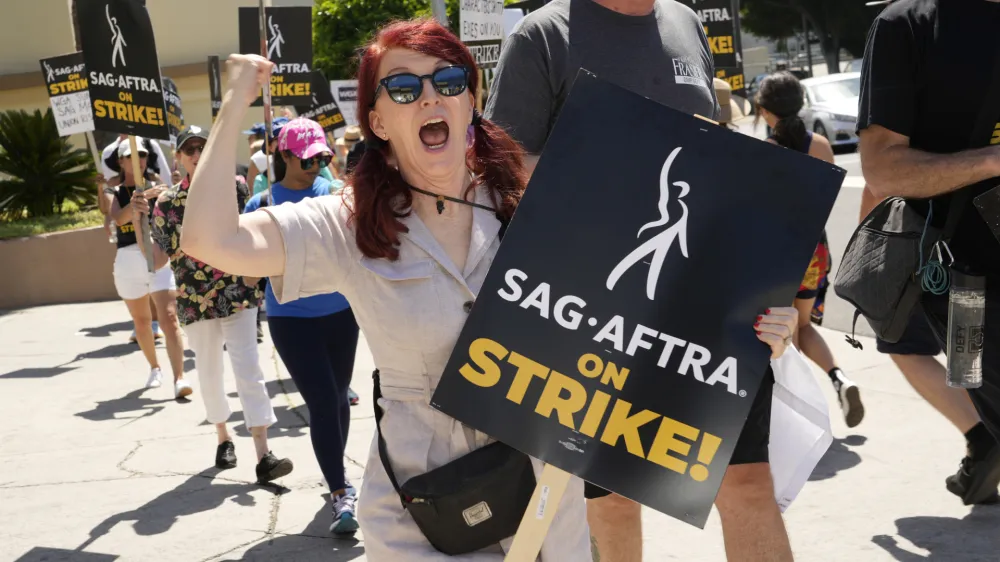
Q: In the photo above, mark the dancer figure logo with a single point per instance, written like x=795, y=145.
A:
x=659, y=244
x=116, y=38
x=51, y=73
x=275, y=41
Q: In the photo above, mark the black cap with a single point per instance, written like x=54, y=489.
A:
x=191, y=132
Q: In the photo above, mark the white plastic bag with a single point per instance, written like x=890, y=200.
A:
x=800, y=426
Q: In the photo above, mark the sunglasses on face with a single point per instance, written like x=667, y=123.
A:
x=406, y=88
x=323, y=160
x=191, y=150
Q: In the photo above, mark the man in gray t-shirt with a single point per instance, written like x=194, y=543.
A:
x=662, y=55
x=658, y=49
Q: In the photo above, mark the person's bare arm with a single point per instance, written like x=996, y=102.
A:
x=891, y=167
x=214, y=231
x=821, y=149
x=120, y=215
x=868, y=203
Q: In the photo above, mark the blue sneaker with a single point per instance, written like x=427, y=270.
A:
x=345, y=521
x=352, y=397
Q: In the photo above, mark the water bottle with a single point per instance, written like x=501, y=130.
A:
x=113, y=237
x=966, y=317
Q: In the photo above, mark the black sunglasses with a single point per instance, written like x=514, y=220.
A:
x=192, y=149
x=323, y=159
x=406, y=87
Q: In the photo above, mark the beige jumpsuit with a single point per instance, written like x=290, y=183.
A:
x=411, y=312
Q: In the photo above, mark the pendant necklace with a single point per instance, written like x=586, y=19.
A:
x=442, y=198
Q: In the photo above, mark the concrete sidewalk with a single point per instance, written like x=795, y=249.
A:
x=95, y=469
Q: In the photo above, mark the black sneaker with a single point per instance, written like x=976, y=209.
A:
x=976, y=480
x=225, y=455
x=271, y=468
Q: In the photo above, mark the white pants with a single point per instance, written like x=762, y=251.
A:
x=239, y=334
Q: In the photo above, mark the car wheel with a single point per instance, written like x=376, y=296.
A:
x=820, y=129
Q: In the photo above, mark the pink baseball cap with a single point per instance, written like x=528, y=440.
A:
x=304, y=138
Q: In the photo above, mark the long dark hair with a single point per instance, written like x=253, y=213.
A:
x=380, y=197
x=782, y=95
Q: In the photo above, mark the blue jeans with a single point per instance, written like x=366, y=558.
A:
x=319, y=356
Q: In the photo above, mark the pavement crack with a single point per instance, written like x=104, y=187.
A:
x=121, y=465
x=272, y=521
x=354, y=462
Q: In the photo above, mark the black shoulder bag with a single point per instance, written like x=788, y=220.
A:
x=470, y=503
x=882, y=270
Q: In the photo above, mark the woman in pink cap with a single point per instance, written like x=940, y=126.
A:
x=317, y=336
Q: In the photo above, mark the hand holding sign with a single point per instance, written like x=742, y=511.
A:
x=247, y=75
x=775, y=328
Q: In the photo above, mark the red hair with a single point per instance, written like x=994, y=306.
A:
x=380, y=196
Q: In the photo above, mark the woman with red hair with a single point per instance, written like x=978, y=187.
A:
x=408, y=242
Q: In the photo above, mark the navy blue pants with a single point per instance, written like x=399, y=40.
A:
x=319, y=356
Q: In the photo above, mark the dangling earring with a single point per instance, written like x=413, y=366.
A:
x=470, y=137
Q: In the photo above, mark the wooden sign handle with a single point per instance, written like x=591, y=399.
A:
x=538, y=517
x=703, y=118
x=139, y=220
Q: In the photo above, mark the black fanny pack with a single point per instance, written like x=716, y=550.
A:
x=470, y=503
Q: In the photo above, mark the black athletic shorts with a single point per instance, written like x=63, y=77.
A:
x=987, y=397
x=918, y=338
x=753, y=442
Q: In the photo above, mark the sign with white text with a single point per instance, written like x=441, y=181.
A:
x=345, y=94
x=323, y=109
x=66, y=82
x=124, y=74
x=482, y=29
x=175, y=115
x=214, y=85
x=613, y=336
x=289, y=47
x=721, y=20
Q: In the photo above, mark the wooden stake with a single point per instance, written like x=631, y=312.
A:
x=266, y=93
x=139, y=220
x=539, y=515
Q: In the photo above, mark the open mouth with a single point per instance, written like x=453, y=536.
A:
x=434, y=133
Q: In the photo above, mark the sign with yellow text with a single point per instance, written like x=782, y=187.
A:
x=721, y=19
x=613, y=336
x=175, y=115
x=126, y=90
x=323, y=109
x=66, y=81
x=289, y=47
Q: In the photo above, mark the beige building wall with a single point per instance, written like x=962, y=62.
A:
x=187, y=32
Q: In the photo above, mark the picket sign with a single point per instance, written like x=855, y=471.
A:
x=544, y=504
x=139, y=222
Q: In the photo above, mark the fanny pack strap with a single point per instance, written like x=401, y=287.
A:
x=383, y=454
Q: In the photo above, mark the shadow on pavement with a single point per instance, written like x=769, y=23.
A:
x=290, y=423
x=838, y=458
x=107, y=329
x=36, y=372
x=197, y=494
x=45, y=554
x=133, y=402
x=314, y=544
x=974, y=538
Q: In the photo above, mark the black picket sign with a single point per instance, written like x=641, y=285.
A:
x=289, y=47
x=613, y=336
x=214, y=85
x=66, y=81
x=323, y=109
x=175, y=115
x=119, y=50
x=721, y=19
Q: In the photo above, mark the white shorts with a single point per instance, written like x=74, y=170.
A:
x=133, y=279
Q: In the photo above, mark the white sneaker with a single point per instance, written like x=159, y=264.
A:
x=182, y=388
x=155, y=379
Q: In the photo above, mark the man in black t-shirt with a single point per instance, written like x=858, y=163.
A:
x=927, y=134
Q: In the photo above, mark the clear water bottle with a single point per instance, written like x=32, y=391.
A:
x=113, y=237
x=966, y=317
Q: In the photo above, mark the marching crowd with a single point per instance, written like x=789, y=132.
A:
x=392, y=230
